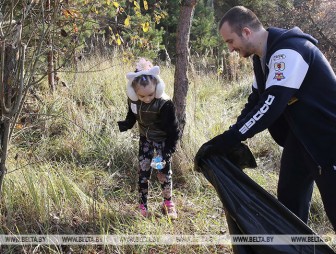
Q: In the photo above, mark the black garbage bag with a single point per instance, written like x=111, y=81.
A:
x=251, y=210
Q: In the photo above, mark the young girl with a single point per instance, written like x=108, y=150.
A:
x=158, y=127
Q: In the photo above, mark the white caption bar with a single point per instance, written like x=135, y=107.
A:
x=167, y=239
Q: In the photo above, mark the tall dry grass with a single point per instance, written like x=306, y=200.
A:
x=72, y=172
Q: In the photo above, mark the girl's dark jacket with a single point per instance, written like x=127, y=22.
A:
x=156, y=120
x=294, y=90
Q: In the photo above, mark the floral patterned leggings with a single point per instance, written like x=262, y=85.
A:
x=146, y=153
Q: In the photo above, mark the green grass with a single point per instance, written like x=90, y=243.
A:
x=71, y=171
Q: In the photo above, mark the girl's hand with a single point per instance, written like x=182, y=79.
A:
x=122, y=126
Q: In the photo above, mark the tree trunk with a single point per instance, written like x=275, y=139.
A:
x=50, y=57
x=12, y=58
x=4, y=138
x=181, y=82
x=9, y=56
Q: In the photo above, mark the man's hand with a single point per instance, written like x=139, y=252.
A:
x=204, y=150
x=242, y=157
x=220, y=144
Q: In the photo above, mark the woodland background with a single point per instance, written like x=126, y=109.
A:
x=66, y=169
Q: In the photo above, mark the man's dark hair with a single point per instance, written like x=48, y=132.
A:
x=239, y=17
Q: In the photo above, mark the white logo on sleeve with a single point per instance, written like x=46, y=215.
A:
x=257, y=116
x=287, y=68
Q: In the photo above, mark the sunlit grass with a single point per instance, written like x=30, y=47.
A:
x=72, y=172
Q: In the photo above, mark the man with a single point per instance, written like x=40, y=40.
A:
x=294, y=96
